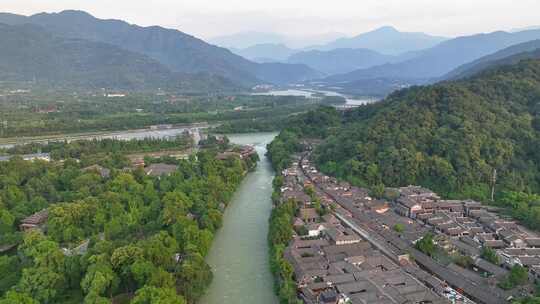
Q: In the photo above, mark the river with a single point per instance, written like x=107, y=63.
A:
x=239, y=253
x=312, y=93
x=168, y=132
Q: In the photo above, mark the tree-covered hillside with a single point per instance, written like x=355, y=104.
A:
x=450, y=137
x=30, y=54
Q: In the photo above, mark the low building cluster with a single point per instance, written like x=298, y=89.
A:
x=160, y=169
x=368, y=229
x=332, y=263
x=242, y=152
x=468, y=226
x=37, y=220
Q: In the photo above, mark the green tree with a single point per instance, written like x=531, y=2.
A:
x=160, y=249
x=377, y=191
x=399, y=228
x=175, y=205
x=490, y=255
x=99, y=280
x=14, y=297
x=426, y=244
x=92, y=298
x=518, y=276
x=42, y=284
x=122, y=261
x=193, y=276
x=155, y=295
x=6, y=221
x=42, y=252
x=464, y=261
x=10, y=268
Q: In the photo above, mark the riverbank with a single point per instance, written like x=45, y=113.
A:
x=239, y=253
x=157, y=132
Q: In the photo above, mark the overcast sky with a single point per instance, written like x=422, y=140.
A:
x=209, y=18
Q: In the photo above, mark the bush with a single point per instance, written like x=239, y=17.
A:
x=490, y=255
x=518, y=276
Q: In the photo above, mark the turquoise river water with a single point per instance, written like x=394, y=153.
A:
x=239, y=254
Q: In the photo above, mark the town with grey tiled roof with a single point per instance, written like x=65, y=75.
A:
x=350, y=247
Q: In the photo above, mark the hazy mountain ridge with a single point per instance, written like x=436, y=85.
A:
x=267, y=52
x=510, y=55
x=178, y=51
x=441, y=59
x=341, y=60
x=341, y=52
x=386, y=40
x=243, y=40
x=31, y=54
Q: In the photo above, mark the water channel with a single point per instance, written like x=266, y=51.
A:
x=239, y=254
x=312, y=93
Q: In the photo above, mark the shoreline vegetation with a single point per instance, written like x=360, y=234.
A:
x=112, y=230
x=279, y=235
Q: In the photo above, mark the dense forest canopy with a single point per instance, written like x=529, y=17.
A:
x=145, y=237
x=452, y=137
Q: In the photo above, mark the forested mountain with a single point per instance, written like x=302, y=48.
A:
x=450, y=137
x=176, y=50
x=31, y=54
x=341, y=60
x=386, y=40
x=443, y=58
x=511, y=55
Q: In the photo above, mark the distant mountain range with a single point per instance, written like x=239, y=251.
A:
x=31, y=54
x=386, y=40
x=345, y=60
x=527, y=28
x=177, y=51
x=72, y=47
x=266, y=52
x=441, y=59
x=245, y=40
x=510, y=55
